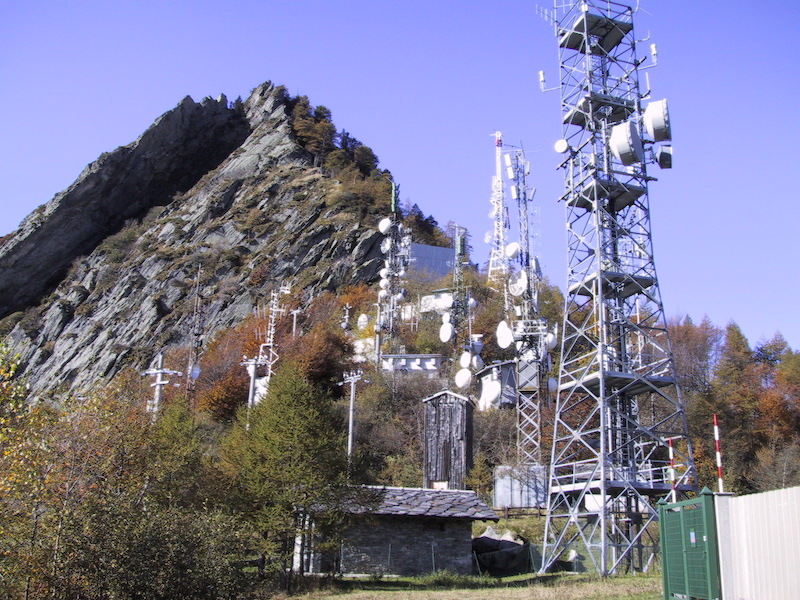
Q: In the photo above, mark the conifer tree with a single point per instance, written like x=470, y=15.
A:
x=287, y=459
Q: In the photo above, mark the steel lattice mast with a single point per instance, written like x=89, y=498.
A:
x=498, y=262
x=529, y=329
x=618, y=404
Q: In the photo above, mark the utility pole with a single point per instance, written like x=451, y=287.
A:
x=159, y=372
x=351, y=377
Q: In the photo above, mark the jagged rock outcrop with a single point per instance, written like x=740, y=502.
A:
x=167, y=159
x=212, y=200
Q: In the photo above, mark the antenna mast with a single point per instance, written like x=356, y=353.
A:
x=498, y=262
x=610, y=457
x=267, y=354
x=396, y=247
x=529, y=329
x=158, y=371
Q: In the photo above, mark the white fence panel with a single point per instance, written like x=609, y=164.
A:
x=758, y=543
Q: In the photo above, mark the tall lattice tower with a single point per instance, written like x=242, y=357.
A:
x=618, y=403
x=498, y=262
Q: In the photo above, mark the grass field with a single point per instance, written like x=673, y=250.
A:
x=449, y=587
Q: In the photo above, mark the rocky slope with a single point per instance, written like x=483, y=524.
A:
x=212, y=199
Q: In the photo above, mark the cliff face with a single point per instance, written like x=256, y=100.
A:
x=210, y=200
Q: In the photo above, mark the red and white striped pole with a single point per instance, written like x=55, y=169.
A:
x=719, y=454
x=674, y=493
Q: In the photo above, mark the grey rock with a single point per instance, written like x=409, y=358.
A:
x=209, y=200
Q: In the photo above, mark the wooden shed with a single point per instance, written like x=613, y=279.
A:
x=448, y=441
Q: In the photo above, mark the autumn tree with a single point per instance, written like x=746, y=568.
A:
x=100, y=502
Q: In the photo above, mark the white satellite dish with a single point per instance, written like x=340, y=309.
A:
x=561, y=146
x=384, y=273
x=382, y=294
x=194, y=373
x=656, y=121
x=386, y=245
x=550, y=341
x=490, y=392
x=626, y=144
x=477, y=362
x=512, y=250
x=472, y=303
x=384, y=283
x=518, y=283
x=446, y=332
x=363, y=321
x=465, y=360
x=505, y=337
x=552, y=385
x=446, y=317
x=385, y=225
x=463, y=378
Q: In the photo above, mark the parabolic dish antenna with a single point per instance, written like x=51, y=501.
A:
x=477, y=362
x=512, y=250
x=446, y=332
x=626, y=144
x=465, y=360
x=490, y=392
x=386, y=245
x=463, y=378
x=550, y=341
x=385, y=225
x=505, y=337
x=656, y=121
x=518, y=283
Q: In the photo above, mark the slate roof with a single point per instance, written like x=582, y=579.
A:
x=406, y=502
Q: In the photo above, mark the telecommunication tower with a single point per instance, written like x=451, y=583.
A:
x=527, y=330
x=498, y=263
x=618, y=402
x=396, y=248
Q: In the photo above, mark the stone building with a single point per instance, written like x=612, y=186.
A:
x=409, y=531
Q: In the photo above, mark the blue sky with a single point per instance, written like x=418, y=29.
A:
x=425, y=84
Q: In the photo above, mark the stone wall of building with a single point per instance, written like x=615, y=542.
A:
x=407, y=546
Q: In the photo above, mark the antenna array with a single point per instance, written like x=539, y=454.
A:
x=610, y=457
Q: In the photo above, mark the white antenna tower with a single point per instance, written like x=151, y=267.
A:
x=396, y=248
x=158, y=371
x=267, y=354
x=457, y=321
x=498, y=263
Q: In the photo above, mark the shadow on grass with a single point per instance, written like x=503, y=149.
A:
x=446, y=581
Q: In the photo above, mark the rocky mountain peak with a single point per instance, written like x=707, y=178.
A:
x=215, y=199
